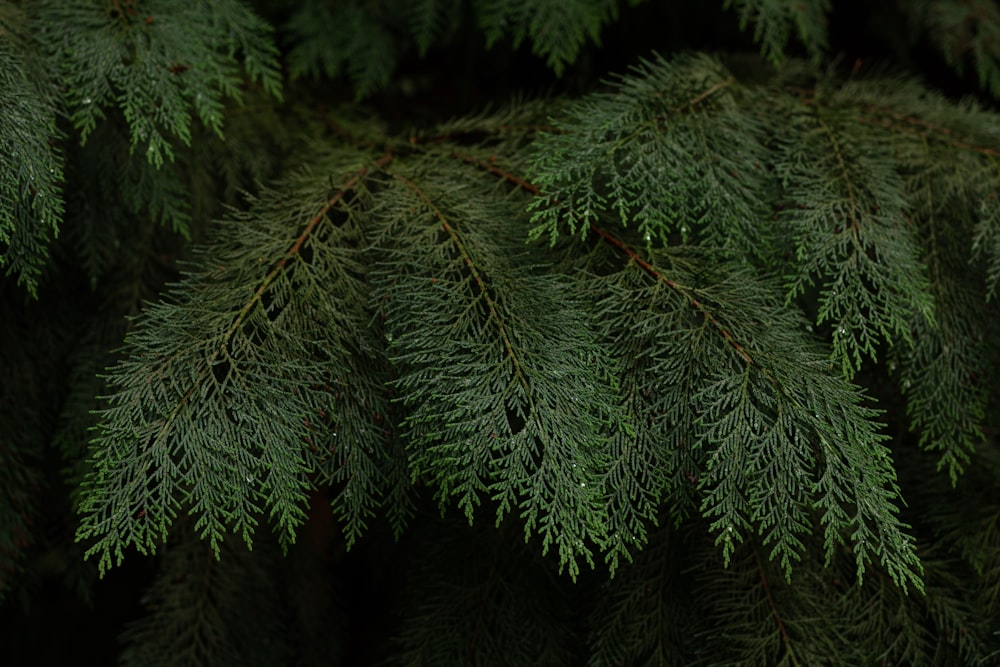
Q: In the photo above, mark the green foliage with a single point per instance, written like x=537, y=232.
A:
x=159, y=67
x=201, y=612
x=774, y=435
x=966, y=32
x=558, y=30
x=775, y=20
x=352, y=40
x=253, y=298
x=158, y=63
x=363, y=39
x=31, y=169
x=699, y=368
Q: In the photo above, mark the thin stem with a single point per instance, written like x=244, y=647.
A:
x=268, y=280
x=473, y=271
x=527, y=186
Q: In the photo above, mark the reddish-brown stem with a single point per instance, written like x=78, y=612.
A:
x=527, y=186
x=258, y=294
x=653, y=272
x=922, y=128
x=893, y=120
x=293, y=251
x=473, y=270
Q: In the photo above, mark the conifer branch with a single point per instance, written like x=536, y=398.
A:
x=686, y=294
x=764, y=316
x=521, y=442
x=922, y=128
x=786, y=544
x=296, y=246
x=31, y=172
x=204, y=437
x=481, y=285
x=121, y=61
x=965, y=32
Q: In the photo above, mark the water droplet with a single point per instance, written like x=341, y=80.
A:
x=249, y=479
x=648, y=237
x=841, y=330
x=582, y=484
x=87, y=101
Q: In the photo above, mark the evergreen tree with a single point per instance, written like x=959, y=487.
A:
x=500, y=332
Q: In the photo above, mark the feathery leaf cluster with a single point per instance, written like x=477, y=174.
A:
x=692, y=382
x=158, y=64
x=155, y=66
x=718, y=337
x=31, y=170
x=363, y=40
x=775, y=20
